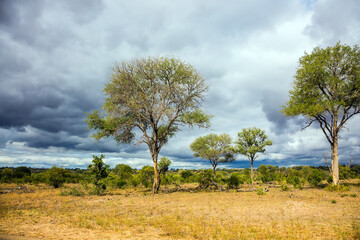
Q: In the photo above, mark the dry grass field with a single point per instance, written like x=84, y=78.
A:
x=41, y=213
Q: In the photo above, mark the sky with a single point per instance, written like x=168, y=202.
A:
x=56, y=57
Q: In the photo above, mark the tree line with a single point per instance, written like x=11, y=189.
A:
x=102, y=178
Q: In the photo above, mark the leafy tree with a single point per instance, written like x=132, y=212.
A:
x=21, y=172
x=315, y=177
x=123, y=171
x=163, y=165
x=251, y=142
x=186, y=174
x=327, y=91
x=215, y=148
x=146, y=176
x=235, y=180
x=56, y=176
x=98, y=170
x=155, y=96
x=6, y=174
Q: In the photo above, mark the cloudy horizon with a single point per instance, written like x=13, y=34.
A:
x=57, y=56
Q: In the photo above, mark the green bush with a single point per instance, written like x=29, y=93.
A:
x=21, y=172
x=260, y=191
x=284, y=188
x=147, y=176
x=315, y=178
x=98, y=171
x=186, y=175
x=56, y=176
x=333, y=188
x=234, y=181
x=115, y=181
x=123, y=171
x=6, y=175
x=74, y=191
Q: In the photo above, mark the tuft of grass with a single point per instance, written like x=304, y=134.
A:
x=333, y=188
x=260, y=191
x=284, y=187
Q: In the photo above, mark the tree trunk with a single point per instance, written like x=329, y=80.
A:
x=214, y=172
x=156, y=185
x=252, y=172
x=335, y=160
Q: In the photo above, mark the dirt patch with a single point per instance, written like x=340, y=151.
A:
x=14, y=237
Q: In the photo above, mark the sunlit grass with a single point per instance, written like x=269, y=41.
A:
x=298, y=214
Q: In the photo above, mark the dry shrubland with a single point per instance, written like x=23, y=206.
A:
x=41, y=212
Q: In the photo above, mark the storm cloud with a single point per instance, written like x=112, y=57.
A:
x=57, y=56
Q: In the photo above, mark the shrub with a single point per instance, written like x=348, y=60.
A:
x=56, y=176
x=147, y=176
x=332, y=188
x=114, y=181
x=74, y=191
x=123, y=171
x=284, y=187
x=315, y=178
x=234, y=181
x=260, y=191
x=98, y=170
x=6, y=174
x=185, y=175
x=21, y=172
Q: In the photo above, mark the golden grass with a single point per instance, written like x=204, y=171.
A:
x=129, y=214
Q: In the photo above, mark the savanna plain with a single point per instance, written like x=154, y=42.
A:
x=42, y=212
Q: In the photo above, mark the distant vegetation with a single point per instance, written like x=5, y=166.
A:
x=123, y=176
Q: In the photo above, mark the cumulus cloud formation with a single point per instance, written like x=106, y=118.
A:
x=57, y=56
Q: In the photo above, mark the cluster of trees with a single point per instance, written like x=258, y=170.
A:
x=122, y=176
x=251, y=142
x=156, y=96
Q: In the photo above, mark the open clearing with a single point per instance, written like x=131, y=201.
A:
x=42, y=213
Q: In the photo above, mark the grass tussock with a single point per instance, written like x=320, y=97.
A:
x=126, y=214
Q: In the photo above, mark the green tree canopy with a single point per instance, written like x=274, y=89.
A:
x=164, y=165
x=214, y=148
x=98, y=170
x=150, y=99
x=56, y=176
x=251, y=142
x=123, y=171
x=326, y=90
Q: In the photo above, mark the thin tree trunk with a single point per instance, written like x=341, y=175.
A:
x=156, y=185
x=335, y=160
x=252, y=172
x=214, y=172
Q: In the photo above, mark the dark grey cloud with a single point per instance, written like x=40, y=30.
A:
x=58, y=56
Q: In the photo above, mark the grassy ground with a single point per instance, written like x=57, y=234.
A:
x=129, y=214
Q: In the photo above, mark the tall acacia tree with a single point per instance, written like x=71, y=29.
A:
x=150, y=99
x=215, y=148
x=327, y=91
x=251, y=142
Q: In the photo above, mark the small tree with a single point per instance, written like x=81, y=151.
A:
x=146, y=176
x=98, y=170
x=56, y=176
x=123, y=171
x=155, y=96
x=214, y=148
x=327, y=91
x=251, y=142
x=6, y=174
